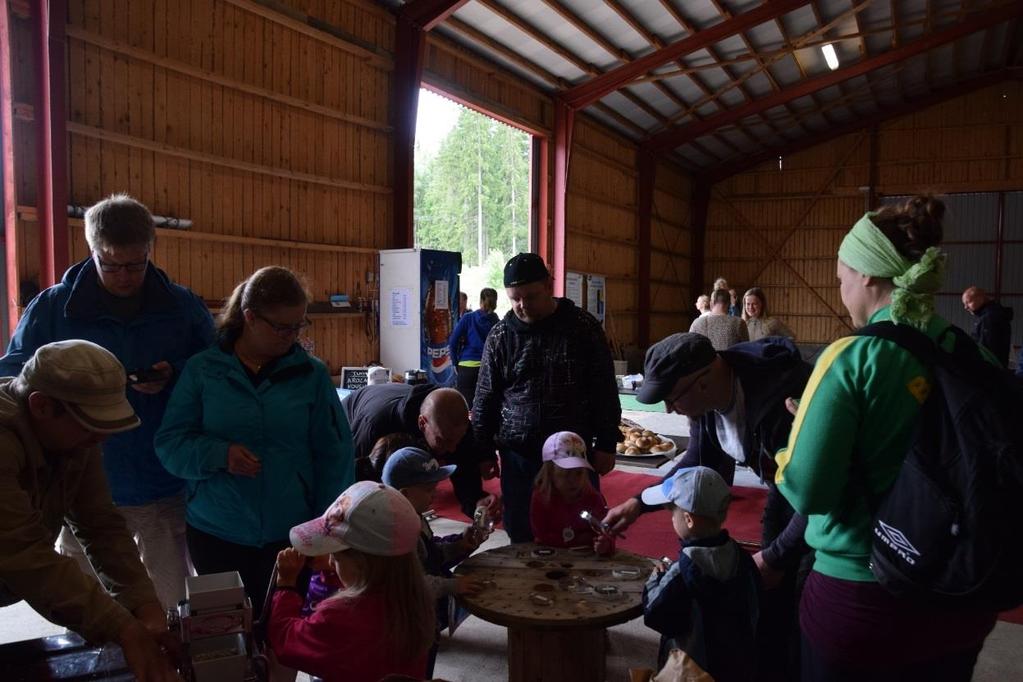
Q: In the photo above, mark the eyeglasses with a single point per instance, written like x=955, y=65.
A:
x=286, y=329
x=117, y=267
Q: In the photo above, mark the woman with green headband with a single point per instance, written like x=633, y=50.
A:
x=860, y=405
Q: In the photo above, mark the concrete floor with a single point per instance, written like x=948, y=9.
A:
x=477, y=651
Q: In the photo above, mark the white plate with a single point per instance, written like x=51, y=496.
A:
x=667, y=453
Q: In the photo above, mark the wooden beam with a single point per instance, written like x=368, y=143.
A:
x=426, y=14
x=683, y=134
x=564, y=122
x=585, y=93
x=29, y=214
x=126, y=50
x=182, y=153
x=698, y=210
x=965, y=87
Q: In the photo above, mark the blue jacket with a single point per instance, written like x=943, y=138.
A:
x=292, y=421
x=470, y=333
x=173, y=325
x=708, y=603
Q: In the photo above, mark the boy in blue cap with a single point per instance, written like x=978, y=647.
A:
x=706, y=603
x=415, y=473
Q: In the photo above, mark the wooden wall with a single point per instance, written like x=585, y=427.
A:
x=274, y=138
x=780, y=229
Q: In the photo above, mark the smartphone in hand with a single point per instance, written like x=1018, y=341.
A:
x=145, y=375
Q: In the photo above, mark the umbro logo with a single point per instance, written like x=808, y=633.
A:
x=897, y=540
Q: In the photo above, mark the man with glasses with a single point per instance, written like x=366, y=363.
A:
x=736, y=403
x=119, y=300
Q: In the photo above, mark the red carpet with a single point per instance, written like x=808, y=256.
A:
x=652, y=534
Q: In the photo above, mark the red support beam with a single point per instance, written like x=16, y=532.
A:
x=413, y=21
x=698, y=209
x=646, y=163
x=564, y=120
x=51, y=140
x=679, y=136
x=541, y=167
x=587, y=93
x=426, y=14
x=720, y=173
x=10, y=215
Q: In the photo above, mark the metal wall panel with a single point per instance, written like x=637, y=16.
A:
x=1014, y=217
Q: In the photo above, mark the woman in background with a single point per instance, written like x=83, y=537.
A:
x=754, y=312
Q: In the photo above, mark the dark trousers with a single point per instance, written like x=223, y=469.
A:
x=955, y=667
x=210, y=554
x=466, y=481
x=466, y=382
x=778, y=635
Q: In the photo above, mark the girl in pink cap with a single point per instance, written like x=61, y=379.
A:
x=561, y=493
x=382, y=620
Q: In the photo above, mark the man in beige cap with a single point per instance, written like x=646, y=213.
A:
x=53, y=417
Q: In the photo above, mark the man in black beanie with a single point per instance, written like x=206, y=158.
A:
x=546, y=367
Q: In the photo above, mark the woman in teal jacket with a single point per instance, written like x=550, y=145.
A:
x=256, y=429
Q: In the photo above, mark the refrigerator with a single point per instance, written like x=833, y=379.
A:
x=418, y=310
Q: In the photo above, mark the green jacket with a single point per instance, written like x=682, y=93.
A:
x=863, y=397
x=39, y=491
x=292, y=421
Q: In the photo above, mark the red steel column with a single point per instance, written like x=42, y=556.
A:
x=410, y=47
x=564, y=119
x=10, y=193
x=51, y=140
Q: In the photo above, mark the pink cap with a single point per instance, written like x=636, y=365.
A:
x=567, y=450
x=369, y=517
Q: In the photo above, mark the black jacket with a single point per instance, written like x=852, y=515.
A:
x=536, y=379
x=992, y=330
x=707, y=603
x=769, y=371
x=380, y=410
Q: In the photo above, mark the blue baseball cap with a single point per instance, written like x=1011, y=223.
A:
x=412, y=466
x=697, y=490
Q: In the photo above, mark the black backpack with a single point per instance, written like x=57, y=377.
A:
x=949, y=530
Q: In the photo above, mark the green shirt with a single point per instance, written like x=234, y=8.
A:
x=863, y=397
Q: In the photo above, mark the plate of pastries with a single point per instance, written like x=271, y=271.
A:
x=640, y=442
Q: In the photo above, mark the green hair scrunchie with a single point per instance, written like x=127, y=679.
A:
x=867, y=250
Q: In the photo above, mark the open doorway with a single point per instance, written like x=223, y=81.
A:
x=473, y=190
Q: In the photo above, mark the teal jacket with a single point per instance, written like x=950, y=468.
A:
x=292, y=421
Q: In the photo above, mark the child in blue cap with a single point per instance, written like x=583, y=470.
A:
x=415, y=473
x=706, y=603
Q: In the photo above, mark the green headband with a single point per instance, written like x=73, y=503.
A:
x=867, y=250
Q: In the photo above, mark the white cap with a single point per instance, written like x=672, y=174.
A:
x=697, y=490
x=369, y=517
x=567, y=450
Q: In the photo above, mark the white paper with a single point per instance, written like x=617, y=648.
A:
x=595, y=296
x=400, y=297
x=574, y=288
x=440, y=294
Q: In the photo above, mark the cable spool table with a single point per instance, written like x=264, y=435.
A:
x=555, y=604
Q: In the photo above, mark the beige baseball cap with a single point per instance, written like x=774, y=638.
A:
x=87, y=379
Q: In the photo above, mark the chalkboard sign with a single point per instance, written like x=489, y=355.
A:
x=354, y=378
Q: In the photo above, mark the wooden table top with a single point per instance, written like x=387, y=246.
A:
x=536, y=587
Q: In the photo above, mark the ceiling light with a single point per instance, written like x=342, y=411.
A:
x=829, y=56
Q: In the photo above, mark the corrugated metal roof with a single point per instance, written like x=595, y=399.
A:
x=576, y=40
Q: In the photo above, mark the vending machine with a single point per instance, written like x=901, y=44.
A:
x=418, y=310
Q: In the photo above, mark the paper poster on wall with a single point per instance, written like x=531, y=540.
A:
x=574, y=288
x=595, y=296
x=400, y=299
x=440, y=293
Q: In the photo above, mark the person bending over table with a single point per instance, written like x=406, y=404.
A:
x=54, y=416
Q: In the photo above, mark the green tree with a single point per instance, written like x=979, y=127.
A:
x=473, y=195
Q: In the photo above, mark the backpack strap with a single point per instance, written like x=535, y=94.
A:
x=908, y=338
